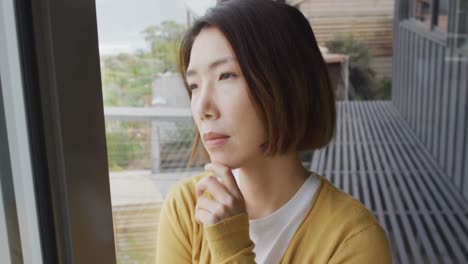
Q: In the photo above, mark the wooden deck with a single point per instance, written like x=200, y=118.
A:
x=377, y=158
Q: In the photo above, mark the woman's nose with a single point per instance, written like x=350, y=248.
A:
x=206, y=104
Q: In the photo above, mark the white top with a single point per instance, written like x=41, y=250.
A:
x=273, y=233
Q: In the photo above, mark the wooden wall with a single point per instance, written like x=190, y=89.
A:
x=430, y=89
x=370, y=21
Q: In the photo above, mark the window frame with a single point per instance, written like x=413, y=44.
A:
x=407, y=20
x=65, y=131
x=21, y=242
x=460, y=37
x=434, y=11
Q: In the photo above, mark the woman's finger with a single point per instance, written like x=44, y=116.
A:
x=227, y=178
x=202, y=216
x=214, y=187
x=212, y=207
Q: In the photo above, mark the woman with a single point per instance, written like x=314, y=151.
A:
x=260, y=94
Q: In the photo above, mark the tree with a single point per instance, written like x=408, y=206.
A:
x=127, y=81
x=164, y=43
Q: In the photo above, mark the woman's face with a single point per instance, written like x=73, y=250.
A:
x=220, y=101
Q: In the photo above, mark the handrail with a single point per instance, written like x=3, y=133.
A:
x=147, y=113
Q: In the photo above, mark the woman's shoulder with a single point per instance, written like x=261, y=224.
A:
x=341, y=212
x=352, y=226
x=343, y=229
x=335, y=202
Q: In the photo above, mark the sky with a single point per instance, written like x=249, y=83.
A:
x=120, y=22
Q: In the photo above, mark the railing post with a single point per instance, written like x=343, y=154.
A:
x=155, y=148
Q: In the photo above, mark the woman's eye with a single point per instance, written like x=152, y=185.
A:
x=226, y=75
x=193, y=86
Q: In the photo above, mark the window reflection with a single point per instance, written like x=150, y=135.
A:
x=422, y=11
x=442, y=15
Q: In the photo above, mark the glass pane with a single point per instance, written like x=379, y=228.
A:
x=400, y=146
x=442, y=16
x=148, y=148
x=422, y=11
x=462, y=27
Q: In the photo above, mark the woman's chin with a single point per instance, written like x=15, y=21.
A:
x=223, y=159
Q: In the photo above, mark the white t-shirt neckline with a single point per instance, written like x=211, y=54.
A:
x=273, y=233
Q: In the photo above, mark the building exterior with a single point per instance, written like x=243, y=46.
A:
x=430, y=80
x=170, y=147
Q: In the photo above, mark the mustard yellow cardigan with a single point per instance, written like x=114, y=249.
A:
x=337, y=229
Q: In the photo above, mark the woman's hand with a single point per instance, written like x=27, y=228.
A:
x=228, y=200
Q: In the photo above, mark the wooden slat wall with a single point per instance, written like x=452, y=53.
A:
x=370, y=21
x=382, y=66
x=380, y=160
x=430, y=89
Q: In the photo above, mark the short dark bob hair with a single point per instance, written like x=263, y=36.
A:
x=284, y=69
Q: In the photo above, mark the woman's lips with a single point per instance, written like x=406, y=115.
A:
x=216, y=142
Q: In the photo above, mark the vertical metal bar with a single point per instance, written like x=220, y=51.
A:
x=425, y=92
x=412, y=72
x=430, y=103
x=337, y=169
x=418, y=87
x=444, y=113
x=452, y=114
x=465, y=161
x=461, y=115
x=407, y=71
x=346, y=147
x=10, y=241
x=398, y=73
x=438, y=100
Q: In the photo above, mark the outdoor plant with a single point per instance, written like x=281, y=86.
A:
x=364, y=85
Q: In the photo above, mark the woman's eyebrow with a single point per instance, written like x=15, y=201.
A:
x=212, y=65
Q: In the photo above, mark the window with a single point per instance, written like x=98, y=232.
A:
x=148, y=143
x=432, y=13
x=442, y=15
x=422, y=11
x=462, y=27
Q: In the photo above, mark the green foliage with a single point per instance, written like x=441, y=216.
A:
x=127, y=80
x=164, y=41
x=362, y=78
x=357, y=51
x=121, y=150
x=128, y=144
x=384, y=89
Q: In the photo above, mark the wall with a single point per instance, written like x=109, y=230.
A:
x=430, y=89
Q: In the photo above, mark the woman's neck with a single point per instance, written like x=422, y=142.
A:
x=269, y=183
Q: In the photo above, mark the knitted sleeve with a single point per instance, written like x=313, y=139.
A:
x=229, y=240
x=173, y=240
